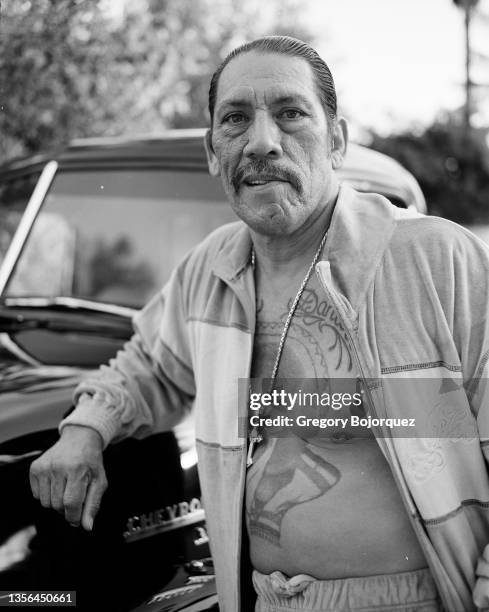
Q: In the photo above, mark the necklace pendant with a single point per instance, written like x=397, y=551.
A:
x=255, y=438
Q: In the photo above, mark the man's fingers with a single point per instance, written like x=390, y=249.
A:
x=74, y=497
x=93, y=500
x=44, y=490
x=58, y=484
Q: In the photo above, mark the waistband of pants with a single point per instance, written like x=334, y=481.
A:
x=404, y=592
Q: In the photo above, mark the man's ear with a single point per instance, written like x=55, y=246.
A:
x=340, y=143
x=212, y=161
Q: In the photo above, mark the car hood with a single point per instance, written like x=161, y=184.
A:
x=33, y=398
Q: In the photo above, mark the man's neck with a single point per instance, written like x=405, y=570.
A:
x=290, y=255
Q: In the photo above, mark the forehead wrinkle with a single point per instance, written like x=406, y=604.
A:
x=281, y=69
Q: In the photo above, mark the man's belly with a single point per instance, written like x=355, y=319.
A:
x=331, y=511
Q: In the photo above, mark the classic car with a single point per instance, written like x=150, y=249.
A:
x=106, y=223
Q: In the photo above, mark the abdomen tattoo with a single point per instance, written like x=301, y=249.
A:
x=294, y=475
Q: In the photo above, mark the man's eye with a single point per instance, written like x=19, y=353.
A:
x=291, y=113
x=234, y=118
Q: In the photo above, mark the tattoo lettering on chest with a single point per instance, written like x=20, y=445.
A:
x=316, y=332
x=318, y=314
x=294, y=475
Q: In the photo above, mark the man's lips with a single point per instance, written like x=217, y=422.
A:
x=260, y=180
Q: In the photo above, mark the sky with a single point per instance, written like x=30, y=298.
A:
x=397, y=63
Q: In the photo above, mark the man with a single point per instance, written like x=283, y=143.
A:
x=319, y=282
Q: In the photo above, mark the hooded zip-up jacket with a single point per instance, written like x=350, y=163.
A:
x=412, y=294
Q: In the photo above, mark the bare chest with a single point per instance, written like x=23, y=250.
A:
x=321, y=502
x=316, y=345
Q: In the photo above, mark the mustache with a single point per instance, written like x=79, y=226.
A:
x=265, y=167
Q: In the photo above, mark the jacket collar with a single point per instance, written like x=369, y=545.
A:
x=234, y=255
x=360, y=231
x=361, y=228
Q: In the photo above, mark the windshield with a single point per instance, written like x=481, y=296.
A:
x=14, y=195
x=115, y=235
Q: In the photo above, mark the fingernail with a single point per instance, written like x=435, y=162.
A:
x=90, y=524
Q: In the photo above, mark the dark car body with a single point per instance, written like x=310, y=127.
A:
x=107, y=221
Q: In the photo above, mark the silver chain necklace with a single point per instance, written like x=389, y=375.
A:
x=255, y=437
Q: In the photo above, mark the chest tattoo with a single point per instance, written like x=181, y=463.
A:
x=318, y=314
x=296, y=472
x=316, y=336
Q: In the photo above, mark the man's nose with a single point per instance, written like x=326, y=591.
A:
x=264, y=138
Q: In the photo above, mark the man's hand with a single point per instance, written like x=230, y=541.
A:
x=480, y=593
x=70, y=476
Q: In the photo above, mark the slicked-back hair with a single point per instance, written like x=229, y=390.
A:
x=286, y=45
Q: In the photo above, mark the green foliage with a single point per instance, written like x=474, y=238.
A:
x=451, y=165
x=173, y=47
x=52, y=69
x=69, y=69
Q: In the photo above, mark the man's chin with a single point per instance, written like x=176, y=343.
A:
x=272, y=222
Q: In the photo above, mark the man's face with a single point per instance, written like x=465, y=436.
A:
x=271, y=142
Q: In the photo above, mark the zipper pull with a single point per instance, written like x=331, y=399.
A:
x=255, y=438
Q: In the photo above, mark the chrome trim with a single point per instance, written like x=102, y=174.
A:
x=15, y=549
x=4, y=459
x=43, y=372
x=188, y=458
x=71, y=302
x=10, y=345
x=26, y=222
x=175, y=134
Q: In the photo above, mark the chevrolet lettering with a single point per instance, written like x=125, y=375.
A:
x=163, y=519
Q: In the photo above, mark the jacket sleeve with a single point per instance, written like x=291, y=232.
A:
x=149, y=385
x=471, y=330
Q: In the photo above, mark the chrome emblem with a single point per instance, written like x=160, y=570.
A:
x=164, y=519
